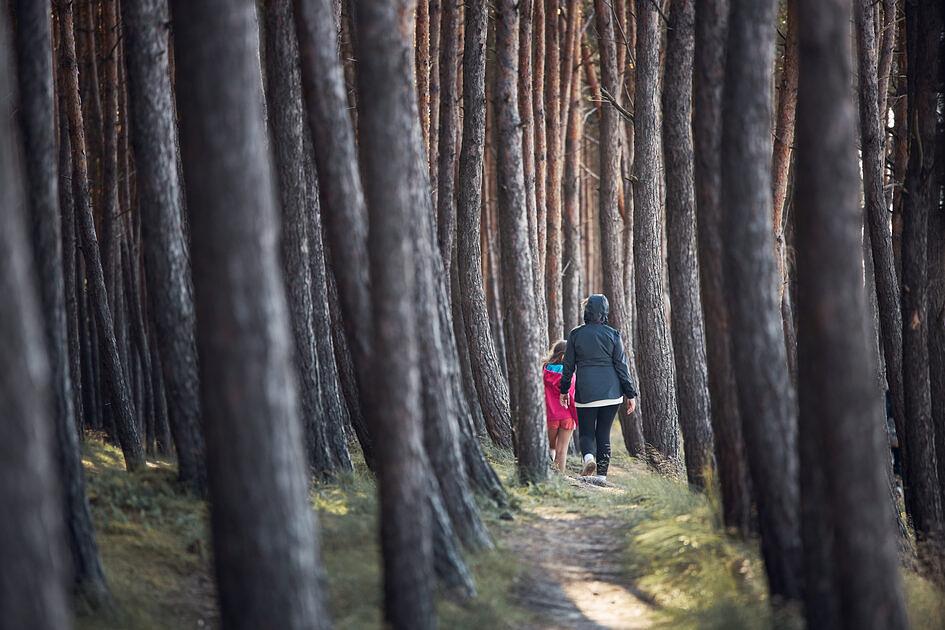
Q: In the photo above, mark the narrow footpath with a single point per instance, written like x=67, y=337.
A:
x=575, y=575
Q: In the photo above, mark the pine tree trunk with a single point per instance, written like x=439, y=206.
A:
x=166, y=261
x=486, y=370
x=33, y=584
x=843, y=425
x=284, y=107
x=764, y=392
x=692, y=384
x=527, y=109
x=880, y=236
x=784, y=139
x=115, y=379
x=433, y=149
x=531, y=443
x=555, y=165
x=38, y=128
x=388, y=119
x=571, y=254
x=654, y=347
x=446, y=145
x=336, y=416
x=70, y=255
x=920, y=200
x=110, y=207
x=268, y=565
x=539, y=52
x=611, y=251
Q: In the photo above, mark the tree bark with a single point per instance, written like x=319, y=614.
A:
x=920, y=199
x=266, y=553
x=527, y=107
x=539, y=52
x=688, y=331
x=842, y=418
x=571, y=253
x=422, y=37
x=70, y=255
x=880, y=236
x=764, y=392
x=654, y=345
x=784, y=140
x=110, y=207
x=33, y=583
x=611, y=252
x=38, y=127
x=446, y=145
x=531, y=443
x=390, y=139
x=553, y=173
x=336, y=416
x=166, y=261
x=436, y=20
x=486, y=371
x=115, y=380
x=284, y=101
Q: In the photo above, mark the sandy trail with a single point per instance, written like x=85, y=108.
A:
x=573, y=577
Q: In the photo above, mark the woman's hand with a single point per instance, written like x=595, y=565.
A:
x=631, y=405
x=565, y=400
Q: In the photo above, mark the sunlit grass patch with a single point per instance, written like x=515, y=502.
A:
x=153, y=538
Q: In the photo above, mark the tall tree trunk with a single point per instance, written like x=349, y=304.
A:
x=286, y=122
x=611, y=252
x=446, y=167
x=936, y=263
x=692, y=384
x=553, y=172
x=436, y=21
x=654, y=347
x=486, y=371
x=784, y=139
x=880, y=236
x=70, y=255
x=38, y=125
x=266, y=553
x=422, y=39
x=111, y=231
x=336, y=416
x=571, y=253
x=388, y=119
x=920, y=199
x=843, y=443
x=166, y=260
x=115, y=380
x=33, y=584
x=531, y=443
x=764, y=391
x=539, y=52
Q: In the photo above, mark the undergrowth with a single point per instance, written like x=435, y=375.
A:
x=155, y=548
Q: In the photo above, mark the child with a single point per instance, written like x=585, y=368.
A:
x=561, y=420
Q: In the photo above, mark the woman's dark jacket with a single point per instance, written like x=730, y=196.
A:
x=596, y=351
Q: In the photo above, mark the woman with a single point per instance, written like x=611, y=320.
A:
x=595, y=350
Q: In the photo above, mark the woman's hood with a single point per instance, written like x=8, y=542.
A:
x=597, y=308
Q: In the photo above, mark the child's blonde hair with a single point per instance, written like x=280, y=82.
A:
x=556, y=354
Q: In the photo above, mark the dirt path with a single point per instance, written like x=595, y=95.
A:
x=573, y=577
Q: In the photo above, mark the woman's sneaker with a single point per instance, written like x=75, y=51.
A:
x=590, y=465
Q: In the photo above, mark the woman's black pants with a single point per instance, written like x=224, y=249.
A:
x=594, y=424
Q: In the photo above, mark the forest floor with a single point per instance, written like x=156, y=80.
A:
x=642, y=552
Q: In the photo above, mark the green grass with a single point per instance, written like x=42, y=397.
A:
x=155, y=548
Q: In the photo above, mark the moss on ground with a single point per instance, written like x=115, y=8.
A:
x=155, y=546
